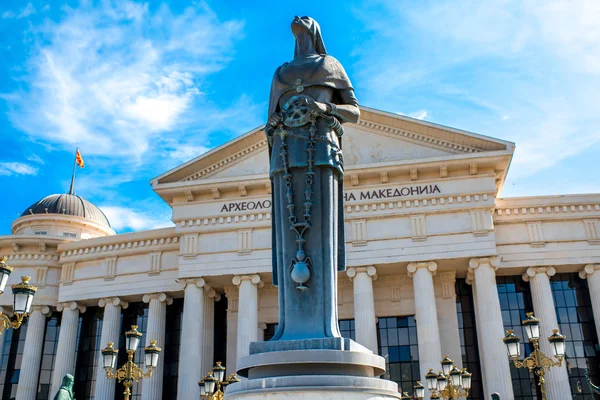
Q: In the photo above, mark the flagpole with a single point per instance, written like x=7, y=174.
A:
x=73, y=176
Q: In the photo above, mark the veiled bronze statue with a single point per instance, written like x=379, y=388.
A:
x=66, y=389
x=311, y=97
x=593, y=388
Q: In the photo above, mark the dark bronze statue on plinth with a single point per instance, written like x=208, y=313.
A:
x=311, y=97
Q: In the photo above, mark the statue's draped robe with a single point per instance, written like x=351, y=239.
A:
x=311, y=313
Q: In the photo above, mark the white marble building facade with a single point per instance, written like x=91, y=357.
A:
x=432, y=248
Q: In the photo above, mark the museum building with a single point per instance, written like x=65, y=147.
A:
x=437, y=263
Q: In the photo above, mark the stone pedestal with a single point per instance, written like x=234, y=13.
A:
x=350, y=372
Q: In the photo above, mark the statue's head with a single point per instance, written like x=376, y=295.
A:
x=310, y=27
x=68, y=381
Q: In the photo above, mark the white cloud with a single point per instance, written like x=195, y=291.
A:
x=535, y=65
x=185, y=153
x=126, y=219
x=24, y=13
x=16, y=168
x=113, y=79
x=34, y=158
x=419, y=114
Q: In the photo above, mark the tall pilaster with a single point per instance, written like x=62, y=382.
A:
x=494, y=360
x=592, y=273
x=557, y=379
x=430, y=351
x=471, y=281
x=64, y=362
x=111, y=328
x=261, y=331
x=190, y=355
x=247, y=312
x=445, y=300
x=32, y=354
x=155, y=330
x=208, y=339
x=365, y=322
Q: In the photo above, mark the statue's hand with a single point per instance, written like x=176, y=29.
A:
x=274, y=119
x=318, y=107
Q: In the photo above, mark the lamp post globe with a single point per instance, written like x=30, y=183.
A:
x=419, y=390
x=151, y=353
x=5, y=271
x=512, y=344
x=431, y=379
x=558, y=344
x=109, y=356
x=23, y=295
x=532, y=326
x=132, y=338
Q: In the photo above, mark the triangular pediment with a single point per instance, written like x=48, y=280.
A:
x=378, y=137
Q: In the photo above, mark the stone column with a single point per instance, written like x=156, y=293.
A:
x=364, y=306
x=592, y=273
x=261, y=331
x=155, y=330
x=231, y=292
x=111, y=328
x=557, y=379
x=32, y=354
x=247, y=312
x=190, y=354
x=494, y=360
x=445, y=300
x=430, y=351
x=208, y=341
x=64, y=362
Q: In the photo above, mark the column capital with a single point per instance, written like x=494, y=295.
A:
x=413, y=267
x=470, y=278
x=211, y=293
x=184, y=282
x=254, y=278
x=589, y=270
x=369, y=270
x=493, y=262
x=262, y=325
x=115, y=301
x=148, y=297
x=43, y=309
x=532, y=271
x=71, y=305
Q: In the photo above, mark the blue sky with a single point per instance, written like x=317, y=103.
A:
x=141, y=87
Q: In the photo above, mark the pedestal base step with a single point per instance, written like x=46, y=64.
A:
x=314, y=387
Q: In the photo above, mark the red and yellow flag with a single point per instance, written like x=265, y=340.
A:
x=79, y=159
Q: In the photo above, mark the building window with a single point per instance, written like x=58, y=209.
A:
x=515, y=301
x=397, y=338
x=135, y=314
x=171, y=349
x=69, y=234
x=468, y=337
x=88, y=352
x=576, y=321
x=48, y=355
x=41, y=232
x=12, y=356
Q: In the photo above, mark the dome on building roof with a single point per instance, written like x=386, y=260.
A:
x=67, y=204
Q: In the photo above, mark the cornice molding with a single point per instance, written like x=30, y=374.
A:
x=417, y=137
x=506, y=212
x=227, y=161
x=119, y=247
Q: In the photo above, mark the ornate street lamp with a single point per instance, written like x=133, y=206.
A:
x=450, y=383
x=213, y=385
x=5, y=271
x=130, y=372
x=23, y=298
x=418, y=393
x=537, y=361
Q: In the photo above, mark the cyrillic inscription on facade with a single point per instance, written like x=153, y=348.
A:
x=246, y=206
x=391, y=192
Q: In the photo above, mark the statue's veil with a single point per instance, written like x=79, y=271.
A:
x=315, y=33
